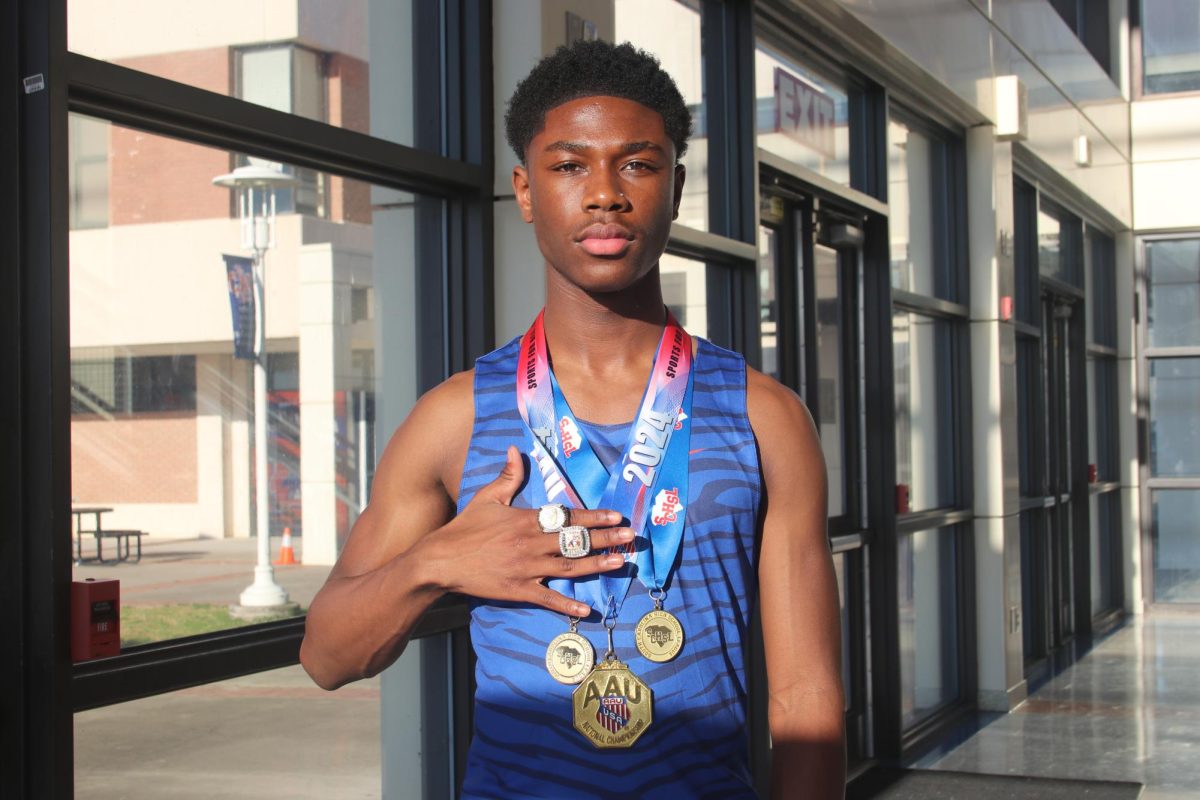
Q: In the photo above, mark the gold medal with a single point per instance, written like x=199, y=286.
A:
x=612, y=705
x=570, y=657
x=659, y=635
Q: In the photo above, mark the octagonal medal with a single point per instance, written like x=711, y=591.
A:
x=612, y=705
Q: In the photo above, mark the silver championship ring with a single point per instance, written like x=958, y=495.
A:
x=553, y=517
x=574, y=541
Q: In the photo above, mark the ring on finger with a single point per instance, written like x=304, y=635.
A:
x=553, y=517
x=574, y=541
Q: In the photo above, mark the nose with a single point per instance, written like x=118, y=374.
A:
x=604, y=192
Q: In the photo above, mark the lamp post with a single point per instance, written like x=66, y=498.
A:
x=255, y=186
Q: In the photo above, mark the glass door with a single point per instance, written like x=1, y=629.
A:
x=810, y=276
x=1047, y=531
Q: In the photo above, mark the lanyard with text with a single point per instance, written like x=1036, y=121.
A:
x=649, y=483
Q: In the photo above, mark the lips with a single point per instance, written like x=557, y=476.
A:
x=605, y=239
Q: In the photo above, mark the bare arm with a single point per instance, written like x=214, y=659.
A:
x=407, y=549
x=798, y=591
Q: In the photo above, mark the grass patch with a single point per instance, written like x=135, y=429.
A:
x=145, y=624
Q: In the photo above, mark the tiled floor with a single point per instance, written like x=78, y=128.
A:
x=1128, y=710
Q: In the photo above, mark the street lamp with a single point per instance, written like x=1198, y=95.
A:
x=255, y=185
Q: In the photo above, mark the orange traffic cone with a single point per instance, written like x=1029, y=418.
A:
x=286, y=554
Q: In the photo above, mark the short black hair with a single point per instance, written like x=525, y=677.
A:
x=591, y=69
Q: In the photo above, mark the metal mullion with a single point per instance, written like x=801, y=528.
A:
x=931, y=306
x=934, y=518
x=181, y=663
x=881, y=477
x=1173, y=483
x=711, y=247
x=140, y=100
x=727, y=33
x=43, y=384
x=15, y=708
x=1102, y=350
x=1172, y=352
x=1024, y=329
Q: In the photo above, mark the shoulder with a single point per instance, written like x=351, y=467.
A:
x=787, y=438
x=431, y=443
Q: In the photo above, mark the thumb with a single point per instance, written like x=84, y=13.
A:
x=505, y=486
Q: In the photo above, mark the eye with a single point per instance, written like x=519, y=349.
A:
x=567, y=167
x=639, y=166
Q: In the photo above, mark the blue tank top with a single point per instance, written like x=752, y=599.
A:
x=697, y=746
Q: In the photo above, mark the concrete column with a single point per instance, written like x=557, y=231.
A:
x=1130, y=407
x=323, y=318
x=994, y=423
x=210, y=445
x=236, y=405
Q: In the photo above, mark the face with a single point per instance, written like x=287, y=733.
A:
x=601, y=187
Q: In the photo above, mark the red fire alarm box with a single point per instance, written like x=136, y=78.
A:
x=902, y=506
x=95, y=619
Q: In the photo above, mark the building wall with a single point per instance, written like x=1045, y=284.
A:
x=1166, y=156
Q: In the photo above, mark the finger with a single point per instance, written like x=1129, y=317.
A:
x=598, y=518
x=604, y=538
x=507, y=483
x=589, y=565
x=548, y=598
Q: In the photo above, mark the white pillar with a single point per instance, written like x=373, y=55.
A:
x=1125, y=248
x=324, y=345
x=994, y=423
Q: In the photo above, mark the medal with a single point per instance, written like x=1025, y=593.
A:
x=612, y=707
x=659, y=635
x=570, y=656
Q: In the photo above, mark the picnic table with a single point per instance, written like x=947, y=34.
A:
x=121, y=536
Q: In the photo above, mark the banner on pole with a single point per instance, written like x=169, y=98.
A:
x=240, y=272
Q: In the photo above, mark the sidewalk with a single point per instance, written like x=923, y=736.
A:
x=270, y=735
x=201, y=571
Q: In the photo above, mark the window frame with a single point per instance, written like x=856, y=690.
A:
x=1149, y=483
x=456, y=169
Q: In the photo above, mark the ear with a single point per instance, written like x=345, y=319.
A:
x=520, y=183
x=680, y=175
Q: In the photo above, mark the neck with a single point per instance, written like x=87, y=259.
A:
x=599, y=333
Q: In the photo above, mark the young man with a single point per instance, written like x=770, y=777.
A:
x=625, y=496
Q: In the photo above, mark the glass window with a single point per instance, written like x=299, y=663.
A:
x=842, y=563
x=88, y=174
x=830, y=389
x=642, y=23
x=272, y=734
x=1173, y=305
x=1060, y=249
x=354, y=70
x=1170, y=46
x=1175, y=417
x=918, y=219
x=163, y=434
x=1104, y=544
x=1176, y=545
x=928, y=603
x=768, y=252
x=1102, y=417
x=924, y=409
x=801, y=115
x=1102, y=289
x=685, y=292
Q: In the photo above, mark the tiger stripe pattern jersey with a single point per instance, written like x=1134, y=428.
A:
x=524, y=744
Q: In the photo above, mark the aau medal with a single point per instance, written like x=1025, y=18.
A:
x=570, y=657
x=612, y=706
x=659, y=635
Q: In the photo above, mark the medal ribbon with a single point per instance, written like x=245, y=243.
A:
x=649, y=483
